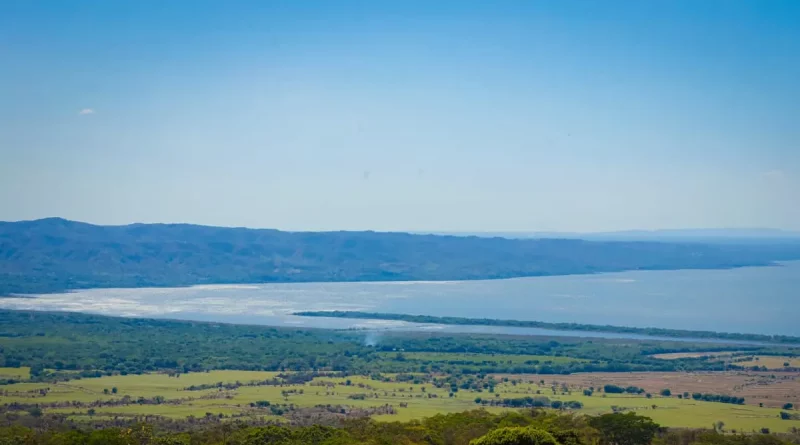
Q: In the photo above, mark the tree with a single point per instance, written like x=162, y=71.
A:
x=666, y=392
x=624, y=429
x=37, y=369
x=35, y=411
x=567, y=437
x=785, y=416
x=114, y=390
x=788, y=406
x=91, y=411
x=516, y=436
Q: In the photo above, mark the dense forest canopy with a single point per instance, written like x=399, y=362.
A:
x=656, y=332
x=55, y=254
x=98, y=345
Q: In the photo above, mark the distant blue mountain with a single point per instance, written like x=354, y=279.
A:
x=682, y=235
x=55, y=254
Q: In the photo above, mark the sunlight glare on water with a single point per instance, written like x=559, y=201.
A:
x=761, y=300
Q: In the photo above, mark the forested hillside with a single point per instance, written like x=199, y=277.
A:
x=56, y=254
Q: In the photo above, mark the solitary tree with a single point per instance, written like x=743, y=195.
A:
x=624, y=429
x=516, y=436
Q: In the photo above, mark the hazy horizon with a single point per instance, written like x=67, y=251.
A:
x=553, y=116
x=745, y=232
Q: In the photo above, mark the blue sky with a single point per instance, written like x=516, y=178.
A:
x=407, y=115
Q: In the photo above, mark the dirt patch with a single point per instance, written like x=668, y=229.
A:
x=771, y=389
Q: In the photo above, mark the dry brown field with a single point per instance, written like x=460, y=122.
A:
x=771, y=389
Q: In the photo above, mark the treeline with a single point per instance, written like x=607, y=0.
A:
x=298, y=378
x=655, y=332
x=529, y=402
x=614, y=389
x=472, y=427
x=62, y=346
x=722, y=398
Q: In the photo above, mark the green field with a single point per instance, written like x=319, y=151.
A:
x=422, y=400
x=23, y=373
x=770, y=362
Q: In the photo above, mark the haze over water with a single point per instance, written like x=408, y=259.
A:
x=761, y=300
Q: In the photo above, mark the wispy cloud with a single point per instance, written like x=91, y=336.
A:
x=86, y=111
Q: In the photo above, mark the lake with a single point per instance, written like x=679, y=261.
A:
x=762, y=300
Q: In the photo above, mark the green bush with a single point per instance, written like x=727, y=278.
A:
x=516, y=436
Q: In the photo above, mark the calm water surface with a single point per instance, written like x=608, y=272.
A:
x=763, y=300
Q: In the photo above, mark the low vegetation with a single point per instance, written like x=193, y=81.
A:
x=770, y=363
x=477, y=427
x=77, y=369
x=254, y=397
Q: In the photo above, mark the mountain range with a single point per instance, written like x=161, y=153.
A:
x=731, y=236
x=55, y=254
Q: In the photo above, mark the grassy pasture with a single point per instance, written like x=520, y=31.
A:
x=173, y=411
x=422, y=400
x=771, y=362
x=23, y=373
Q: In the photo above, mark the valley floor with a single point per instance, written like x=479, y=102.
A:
x=259, y=395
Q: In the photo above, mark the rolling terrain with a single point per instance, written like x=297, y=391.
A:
x=55, y=254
